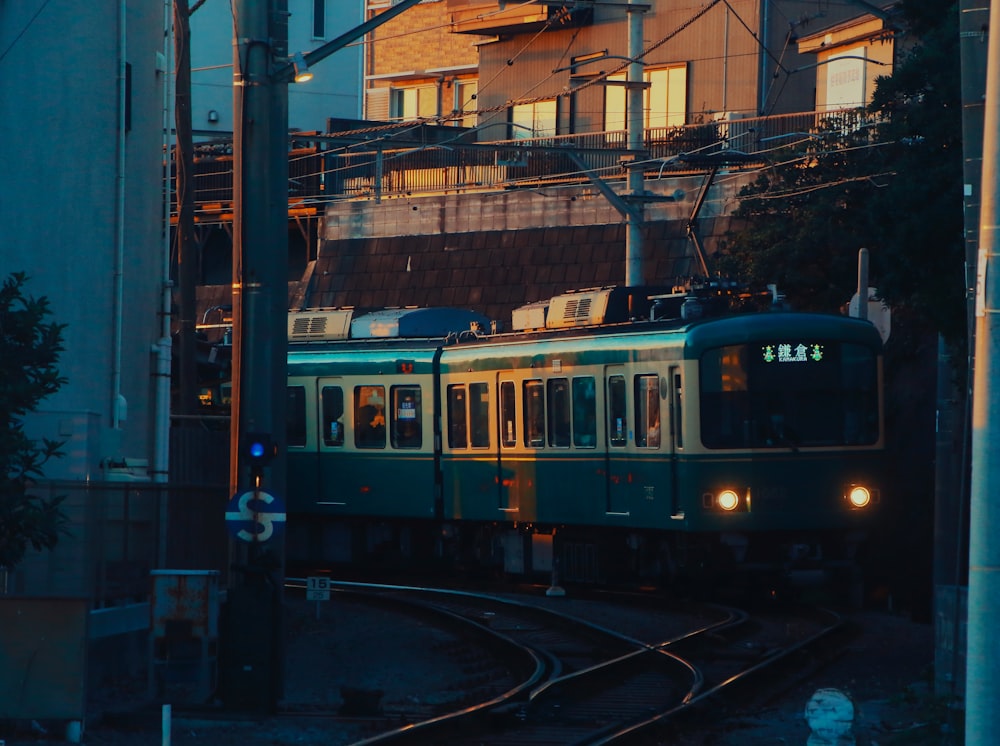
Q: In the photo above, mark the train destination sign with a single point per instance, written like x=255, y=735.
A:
x=788, y=353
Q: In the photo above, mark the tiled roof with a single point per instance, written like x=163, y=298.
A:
x=492, y=272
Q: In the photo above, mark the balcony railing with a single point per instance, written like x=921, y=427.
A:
x=334, y=167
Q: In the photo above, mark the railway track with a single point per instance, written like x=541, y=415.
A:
x=586, y=672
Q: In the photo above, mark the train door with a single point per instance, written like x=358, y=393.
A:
x=617, y=426
x=330, y=403
x=507, y=498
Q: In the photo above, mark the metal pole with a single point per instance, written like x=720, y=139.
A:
x=260, y=318
x=951, y=497
x=634, y=123
x=982, y=716
x=260, y=234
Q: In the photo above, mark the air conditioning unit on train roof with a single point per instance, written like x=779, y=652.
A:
x=530, y=316
x=613, y=304
x=579, y=308
x=319, y=326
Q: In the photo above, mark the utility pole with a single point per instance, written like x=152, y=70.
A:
x=982, y=714
x=251, y=674
x=260, y=232
x=187, y=274
x=634, y=122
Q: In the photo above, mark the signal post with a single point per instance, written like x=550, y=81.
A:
x=251, y=674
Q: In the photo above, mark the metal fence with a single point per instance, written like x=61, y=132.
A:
x=117, y=533
x=331, y=167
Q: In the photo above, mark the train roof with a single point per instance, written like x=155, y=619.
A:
x=327, y=325
x=756, y=326
x=705, y=320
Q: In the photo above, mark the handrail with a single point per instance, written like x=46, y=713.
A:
x=325, y=168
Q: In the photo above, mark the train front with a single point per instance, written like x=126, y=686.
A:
x=784, y=472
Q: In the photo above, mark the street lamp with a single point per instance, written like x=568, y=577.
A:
x=302, y=72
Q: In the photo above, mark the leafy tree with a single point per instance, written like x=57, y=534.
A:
x=29, y=350
x=895, y=189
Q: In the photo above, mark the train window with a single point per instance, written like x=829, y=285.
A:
x=584, y=412
x=789, y=394
x=725, y=416
x=647, y=411
x=405, y=426
x=617, y=414
x=559, y=412
x=369, y=416
x=295, y=429
x=479, y=414
x=508, y=416
x=457, y=425
x=678, y=411
x=332, y=398
x=534, y=414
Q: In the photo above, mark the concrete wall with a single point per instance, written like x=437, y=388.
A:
x=81, y=211
x=547, y=207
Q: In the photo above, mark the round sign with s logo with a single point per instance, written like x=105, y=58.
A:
x=255, y=516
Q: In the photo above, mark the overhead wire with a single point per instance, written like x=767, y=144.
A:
x=411, y=125
x=24, y=30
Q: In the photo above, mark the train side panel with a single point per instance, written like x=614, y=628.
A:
x=370, y=431
x=565, y=437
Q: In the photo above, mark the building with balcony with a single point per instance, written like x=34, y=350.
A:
x=514, y=193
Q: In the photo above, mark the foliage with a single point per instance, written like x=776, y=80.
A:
x=29, y=350
x=894, y=188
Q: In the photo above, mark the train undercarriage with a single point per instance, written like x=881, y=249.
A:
x=690, y=564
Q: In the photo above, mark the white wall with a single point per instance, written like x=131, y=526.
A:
x=334, y=91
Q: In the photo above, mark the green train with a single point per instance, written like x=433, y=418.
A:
x=612, y=434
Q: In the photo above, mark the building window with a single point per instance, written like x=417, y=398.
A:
x=465, y=102
x=319, y=19
x=664, y=102
x=533, y=120
x=416, y=102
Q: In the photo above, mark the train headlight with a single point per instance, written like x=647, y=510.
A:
x=859, y=497
x=728, y=500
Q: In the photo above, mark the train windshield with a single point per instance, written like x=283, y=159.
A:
x=789, y=394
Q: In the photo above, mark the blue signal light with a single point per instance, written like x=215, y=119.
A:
x=259, y=448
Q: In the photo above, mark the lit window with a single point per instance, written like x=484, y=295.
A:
x=664, y=102
x=415, y=102
x=533, y=120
